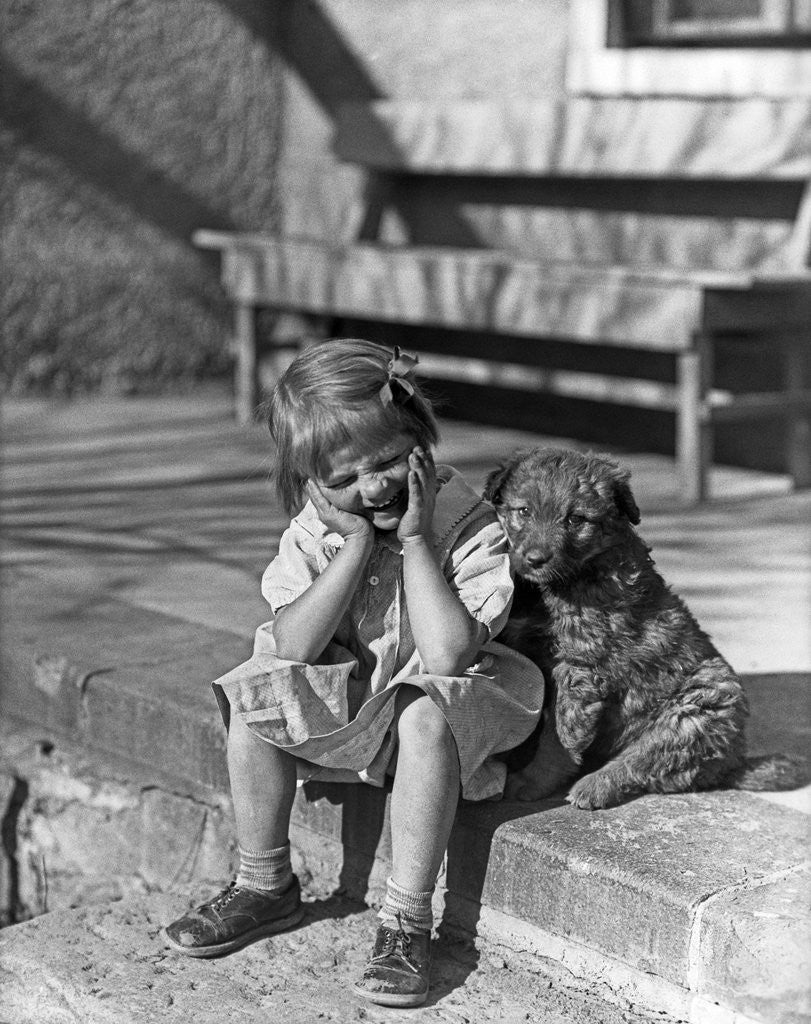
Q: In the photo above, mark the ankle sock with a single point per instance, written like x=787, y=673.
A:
x=413, y=908
x=269, y=870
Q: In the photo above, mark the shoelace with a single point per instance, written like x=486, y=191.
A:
x=398, y=943
x=225, y=897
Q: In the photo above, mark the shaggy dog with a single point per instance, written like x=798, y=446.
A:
x=640, y=699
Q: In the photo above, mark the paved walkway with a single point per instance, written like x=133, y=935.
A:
x=132, y=491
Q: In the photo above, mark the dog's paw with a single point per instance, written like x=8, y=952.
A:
x=594, y=791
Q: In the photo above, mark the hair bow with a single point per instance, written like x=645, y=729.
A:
x=398, y=388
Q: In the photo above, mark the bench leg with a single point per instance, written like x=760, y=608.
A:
x=694, y=441
x=798, y=423
x=245, y=382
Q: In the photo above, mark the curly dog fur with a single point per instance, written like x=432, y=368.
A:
x=641, y=701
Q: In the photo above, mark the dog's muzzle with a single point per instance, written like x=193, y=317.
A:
x=534, y=557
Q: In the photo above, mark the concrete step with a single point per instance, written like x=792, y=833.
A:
x=693, y=905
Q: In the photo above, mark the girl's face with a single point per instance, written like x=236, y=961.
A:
x=370, y=482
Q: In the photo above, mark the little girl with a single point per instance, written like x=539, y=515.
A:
x=386, y=593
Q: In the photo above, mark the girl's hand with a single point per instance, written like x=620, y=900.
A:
x=346, y=524
x=419, y=515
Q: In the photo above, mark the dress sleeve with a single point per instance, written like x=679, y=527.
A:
x=294, y=568
x=478, y=570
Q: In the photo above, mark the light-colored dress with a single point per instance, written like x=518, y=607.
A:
x=335, y=716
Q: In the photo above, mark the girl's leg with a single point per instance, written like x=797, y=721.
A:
x=423, y=806
x=425, y=793
x=266, y=897
x=263, y=786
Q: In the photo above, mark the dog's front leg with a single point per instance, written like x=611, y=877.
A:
x=579, y=707
x=551, y=769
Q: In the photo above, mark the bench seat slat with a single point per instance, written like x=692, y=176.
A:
x=490, y=291
x=428, y=288
x=246, y=242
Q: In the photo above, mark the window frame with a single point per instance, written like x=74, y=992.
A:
x=597, y=66
x=652, y=23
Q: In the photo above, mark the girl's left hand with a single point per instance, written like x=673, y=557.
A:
x=417, y=519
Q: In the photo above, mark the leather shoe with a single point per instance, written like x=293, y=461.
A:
x=397, y=972
x=233, y=919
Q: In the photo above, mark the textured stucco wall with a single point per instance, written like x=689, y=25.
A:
x=125, y=124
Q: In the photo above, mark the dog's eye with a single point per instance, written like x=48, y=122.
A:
x=574, y=520
x=524, y=512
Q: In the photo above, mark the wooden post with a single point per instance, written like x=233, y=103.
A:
x=798, y=420
x=245, y=380
x=694, y=442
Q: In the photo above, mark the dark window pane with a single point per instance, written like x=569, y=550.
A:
x=715, y=9
x=766, y=23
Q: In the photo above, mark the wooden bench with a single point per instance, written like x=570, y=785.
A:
x=656, y=226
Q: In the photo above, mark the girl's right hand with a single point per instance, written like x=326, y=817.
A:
x=346, y=524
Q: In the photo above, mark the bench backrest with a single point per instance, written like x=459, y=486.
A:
x=706, y=185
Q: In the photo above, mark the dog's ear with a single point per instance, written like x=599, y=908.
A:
x=626, y=501
x=624, y=498
x=612, y=482
x=495, y=481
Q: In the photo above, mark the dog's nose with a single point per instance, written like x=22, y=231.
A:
x=537, y=557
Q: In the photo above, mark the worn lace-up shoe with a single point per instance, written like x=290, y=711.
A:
x=233, y=919
x=397, y=972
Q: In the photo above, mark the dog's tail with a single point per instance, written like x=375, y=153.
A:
x=771, y=773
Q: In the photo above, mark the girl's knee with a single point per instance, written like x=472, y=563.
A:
x=421, y=722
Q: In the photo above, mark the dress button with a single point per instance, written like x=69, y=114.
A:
x=374, y=580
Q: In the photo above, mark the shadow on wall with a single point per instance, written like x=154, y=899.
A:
x=103, y=291
x=40, y=119
x=305, y=38
x=312, y=47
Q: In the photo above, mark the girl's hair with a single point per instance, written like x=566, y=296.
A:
x=329, y=396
